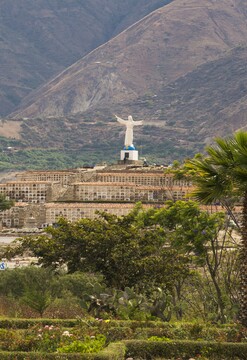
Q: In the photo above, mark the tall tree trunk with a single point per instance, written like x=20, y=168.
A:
x=220, y=302
x=243, y=266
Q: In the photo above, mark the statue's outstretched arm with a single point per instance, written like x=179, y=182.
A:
x=121, y=121
x=138, y=123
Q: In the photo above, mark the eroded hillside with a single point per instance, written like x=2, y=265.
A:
x=181, y=69
x=40, y=38
x=165, y=45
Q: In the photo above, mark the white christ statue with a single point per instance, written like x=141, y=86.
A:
x=130, y=123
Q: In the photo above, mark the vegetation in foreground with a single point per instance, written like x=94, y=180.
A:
x=176, y=263
x=139, y=339
x=222, y=176
x=120, y=276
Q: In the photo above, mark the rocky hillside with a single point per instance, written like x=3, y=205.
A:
x=40, y=38
x=181, y=69
x=179, y=120
x=165, y=45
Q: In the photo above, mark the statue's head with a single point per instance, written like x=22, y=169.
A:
x=130, y=118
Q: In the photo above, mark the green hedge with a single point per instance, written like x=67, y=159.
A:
x=185, y=349
x=26, y=323
x=146, y=350
x=4, y=355
x=133, y=324
x=115, y=351
x=116, y=330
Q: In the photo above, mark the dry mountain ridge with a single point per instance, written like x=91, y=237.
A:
x=182, y=69
x=186, y=114
x=165, y=45
x=38, y=39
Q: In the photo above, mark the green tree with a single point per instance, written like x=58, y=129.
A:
x=12, y=283
x=221, y=176
x=32, y=285
x=144, y=250
x=5, y=203
x=126, y=250
x=37, y=292
x=203, y=237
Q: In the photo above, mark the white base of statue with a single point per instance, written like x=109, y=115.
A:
x=129, y=155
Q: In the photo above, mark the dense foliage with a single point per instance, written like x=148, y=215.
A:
x=147, y=262
x=221, y=176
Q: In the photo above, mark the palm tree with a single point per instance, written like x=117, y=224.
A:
x=221, y=176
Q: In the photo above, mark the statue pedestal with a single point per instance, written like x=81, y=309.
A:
x=129, y=155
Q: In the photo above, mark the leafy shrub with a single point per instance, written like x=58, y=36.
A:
x=64, y=308
x=7, y=338
x=88, y=345
x=156, y=338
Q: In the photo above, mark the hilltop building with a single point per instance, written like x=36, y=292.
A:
x=42, y=197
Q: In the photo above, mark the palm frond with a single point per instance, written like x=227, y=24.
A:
x=222, y=154
x=223, y=172
x=240, y=138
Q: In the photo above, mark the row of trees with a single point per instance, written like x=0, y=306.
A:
x=165, y=260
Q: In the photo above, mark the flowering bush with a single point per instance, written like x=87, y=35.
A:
x=50, y=338
x=38, y=338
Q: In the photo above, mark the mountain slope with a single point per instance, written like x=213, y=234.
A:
x=40, y=38
x=160, y=48
x=187, y=91
x=179, y=121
